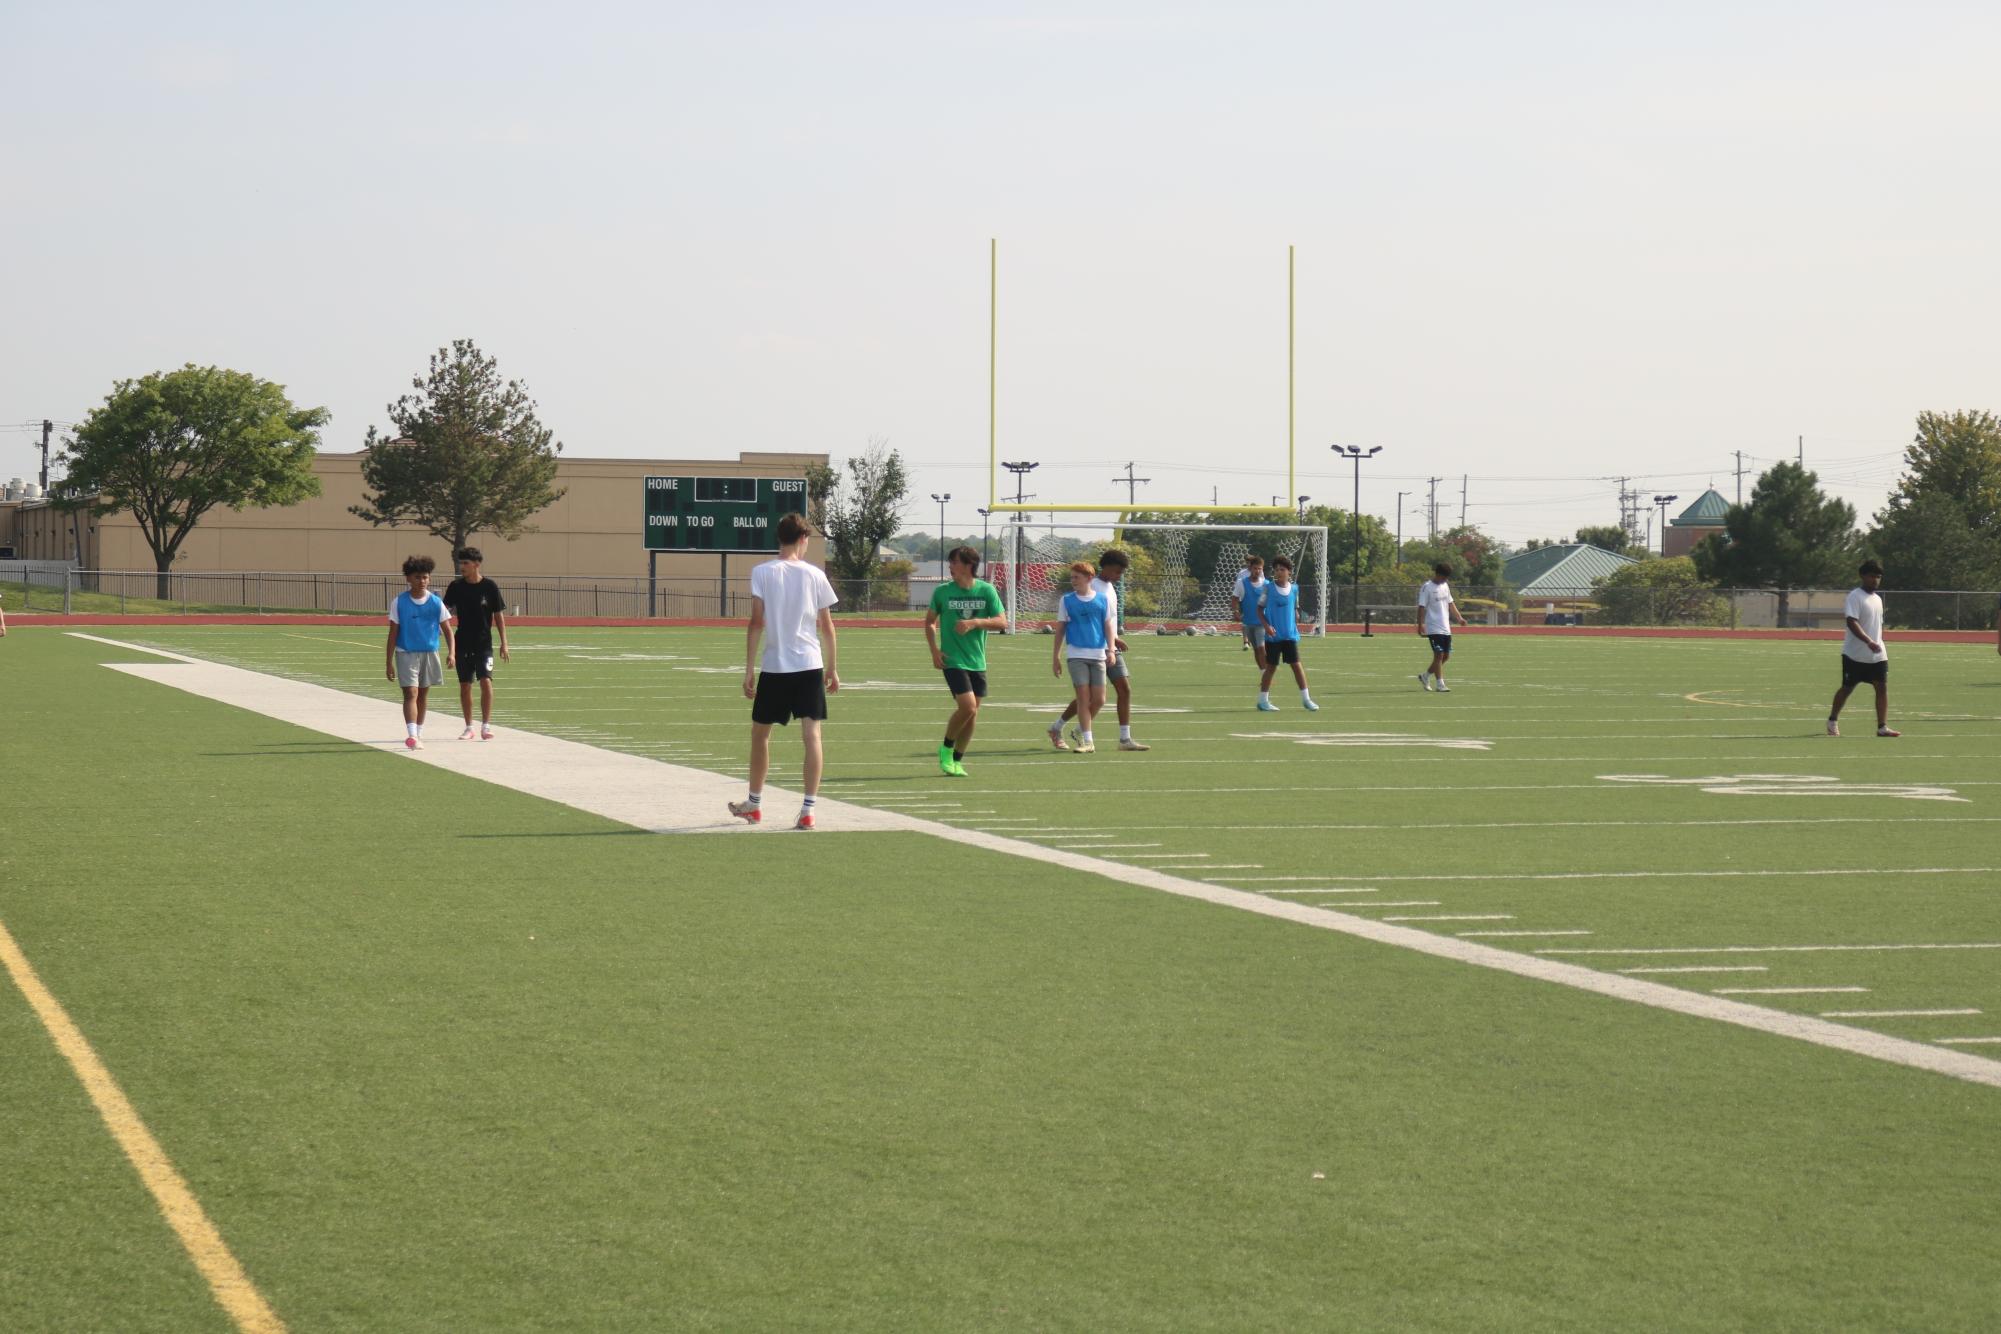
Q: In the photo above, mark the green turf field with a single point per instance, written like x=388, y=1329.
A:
x=437, y=1055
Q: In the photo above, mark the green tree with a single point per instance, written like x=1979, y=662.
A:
x=1942, y=525
x=1605, y=536
x=173, y=445
x=1788, y=535
x=860, y=512
x=1659, y=592
x=1475, y=558
x=467, y=454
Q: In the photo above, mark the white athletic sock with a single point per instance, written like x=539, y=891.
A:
x=1264, y=696
x=1125, y=732
x=1086, y=734
x=806, y=803
x=757, y=798
x=410, y=729
x=1305, y=694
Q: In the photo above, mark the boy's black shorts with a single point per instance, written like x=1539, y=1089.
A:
x=960, y=680
x=1281, y=650
x=473, y=664
x=1441, y=644
x=1855, y=673
x=783, y=696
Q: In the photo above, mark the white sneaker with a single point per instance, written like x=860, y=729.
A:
x=485, y=732
x=467, y=735
x=1130, y=744
x=1888, y=731
x=1442, y=688
x=1424, y=679
x=1309, y=706
x=1833, y=728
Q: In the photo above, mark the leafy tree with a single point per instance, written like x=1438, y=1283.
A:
x=860, y=512
x=173, y=445
x=1659, y=592
x=1475, y=558
x=1605, y=536
x=1942, y=525
x=468, y=454
x=1788, y=535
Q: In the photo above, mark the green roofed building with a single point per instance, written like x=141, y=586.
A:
x=1565, y=570
x=1693, y=524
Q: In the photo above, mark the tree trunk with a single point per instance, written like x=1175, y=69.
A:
x=163, y=580
x=1785, y=605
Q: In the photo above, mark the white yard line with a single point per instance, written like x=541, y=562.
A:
x=1320, y=889
x=1966, y=1042
x=1457, y=917
x=1891, y=1014
x=1474, y=935
x=1723, y=968
x=649, y=794
x=1783, y=949
x=1784, y=991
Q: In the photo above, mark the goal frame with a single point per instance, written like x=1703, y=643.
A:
x=1011, y=595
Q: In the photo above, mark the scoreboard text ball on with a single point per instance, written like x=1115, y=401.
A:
x=719, y=513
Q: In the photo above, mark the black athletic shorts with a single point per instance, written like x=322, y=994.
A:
x=473, y=664
x=959, y=680
x=1855, y=673
x=1281, y=650
x=783, y=696
x=1441, y=644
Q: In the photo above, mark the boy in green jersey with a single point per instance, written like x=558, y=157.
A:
x=961, y=613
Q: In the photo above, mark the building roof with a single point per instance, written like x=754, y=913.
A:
x=1707, y=512
x=1564, y=570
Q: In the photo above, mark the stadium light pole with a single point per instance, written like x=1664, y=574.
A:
x=1664, y=502
x=1302, y=507
x=1021, y=470
x=941, y=529
x=1357, y=453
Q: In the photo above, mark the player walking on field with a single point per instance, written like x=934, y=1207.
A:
x=1863, y=657
x=799, y=667
x=1436, y=609
x=480, y=610
x=418, y=618
x=1118, y=673
x=1251, y=591
x=962, y=610
x=1279, y=612
x=1084, y=641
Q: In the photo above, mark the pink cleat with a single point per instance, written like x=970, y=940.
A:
x=410, y=743
x=485, y=732
x=466, y=735
x=805, y=821
x=746, y=812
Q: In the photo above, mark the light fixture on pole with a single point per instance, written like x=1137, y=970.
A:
x=983, y=538
x=1664, y=502
x=1357, y=453
x=941, y=499
x=1302, y=507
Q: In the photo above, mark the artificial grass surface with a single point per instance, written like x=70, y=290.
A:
x=897, y=1083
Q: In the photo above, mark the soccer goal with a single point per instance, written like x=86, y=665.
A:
x=1182, y=579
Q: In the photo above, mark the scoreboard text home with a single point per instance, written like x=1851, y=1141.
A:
x=719, y=513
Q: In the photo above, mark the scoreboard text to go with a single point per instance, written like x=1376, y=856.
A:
x=719, y=513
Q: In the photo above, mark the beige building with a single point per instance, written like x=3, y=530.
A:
x=593, y=530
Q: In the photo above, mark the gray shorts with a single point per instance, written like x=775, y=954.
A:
x=1087, y=672
x=1118, y=671
x=418, y=669
x=1256, y=634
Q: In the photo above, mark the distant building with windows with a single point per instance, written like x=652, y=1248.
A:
x=1693, y=524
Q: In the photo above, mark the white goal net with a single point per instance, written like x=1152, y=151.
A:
x=1182, y=579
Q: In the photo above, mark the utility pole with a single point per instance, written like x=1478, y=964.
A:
x=1802, y=440
x=47, y=427
x=1740, y=475
x=1400, y=496
x=1132, y=484
x=1462, y=500
x=1021, y=472
x=1431, y=509
x=1629, y=512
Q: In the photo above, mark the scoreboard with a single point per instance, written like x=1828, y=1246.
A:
x=719, y=513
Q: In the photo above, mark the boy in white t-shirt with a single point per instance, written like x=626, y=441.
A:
x=1863, y=657
x=1436, y=609
x=790, y=600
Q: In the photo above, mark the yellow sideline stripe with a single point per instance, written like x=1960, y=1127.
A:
x=204, y=1245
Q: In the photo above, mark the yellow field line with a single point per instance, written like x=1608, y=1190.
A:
x=204, y=1245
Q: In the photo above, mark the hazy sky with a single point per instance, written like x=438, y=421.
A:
x=1538, y=244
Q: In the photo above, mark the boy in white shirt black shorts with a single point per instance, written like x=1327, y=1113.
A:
x=1863, y=657
x=789, y=608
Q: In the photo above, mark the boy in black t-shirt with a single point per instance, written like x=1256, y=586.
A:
x=480, y=610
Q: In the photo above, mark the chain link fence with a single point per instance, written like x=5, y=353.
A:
x=49, y=587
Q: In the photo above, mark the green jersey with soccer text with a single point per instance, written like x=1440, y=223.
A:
x=952, y=604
